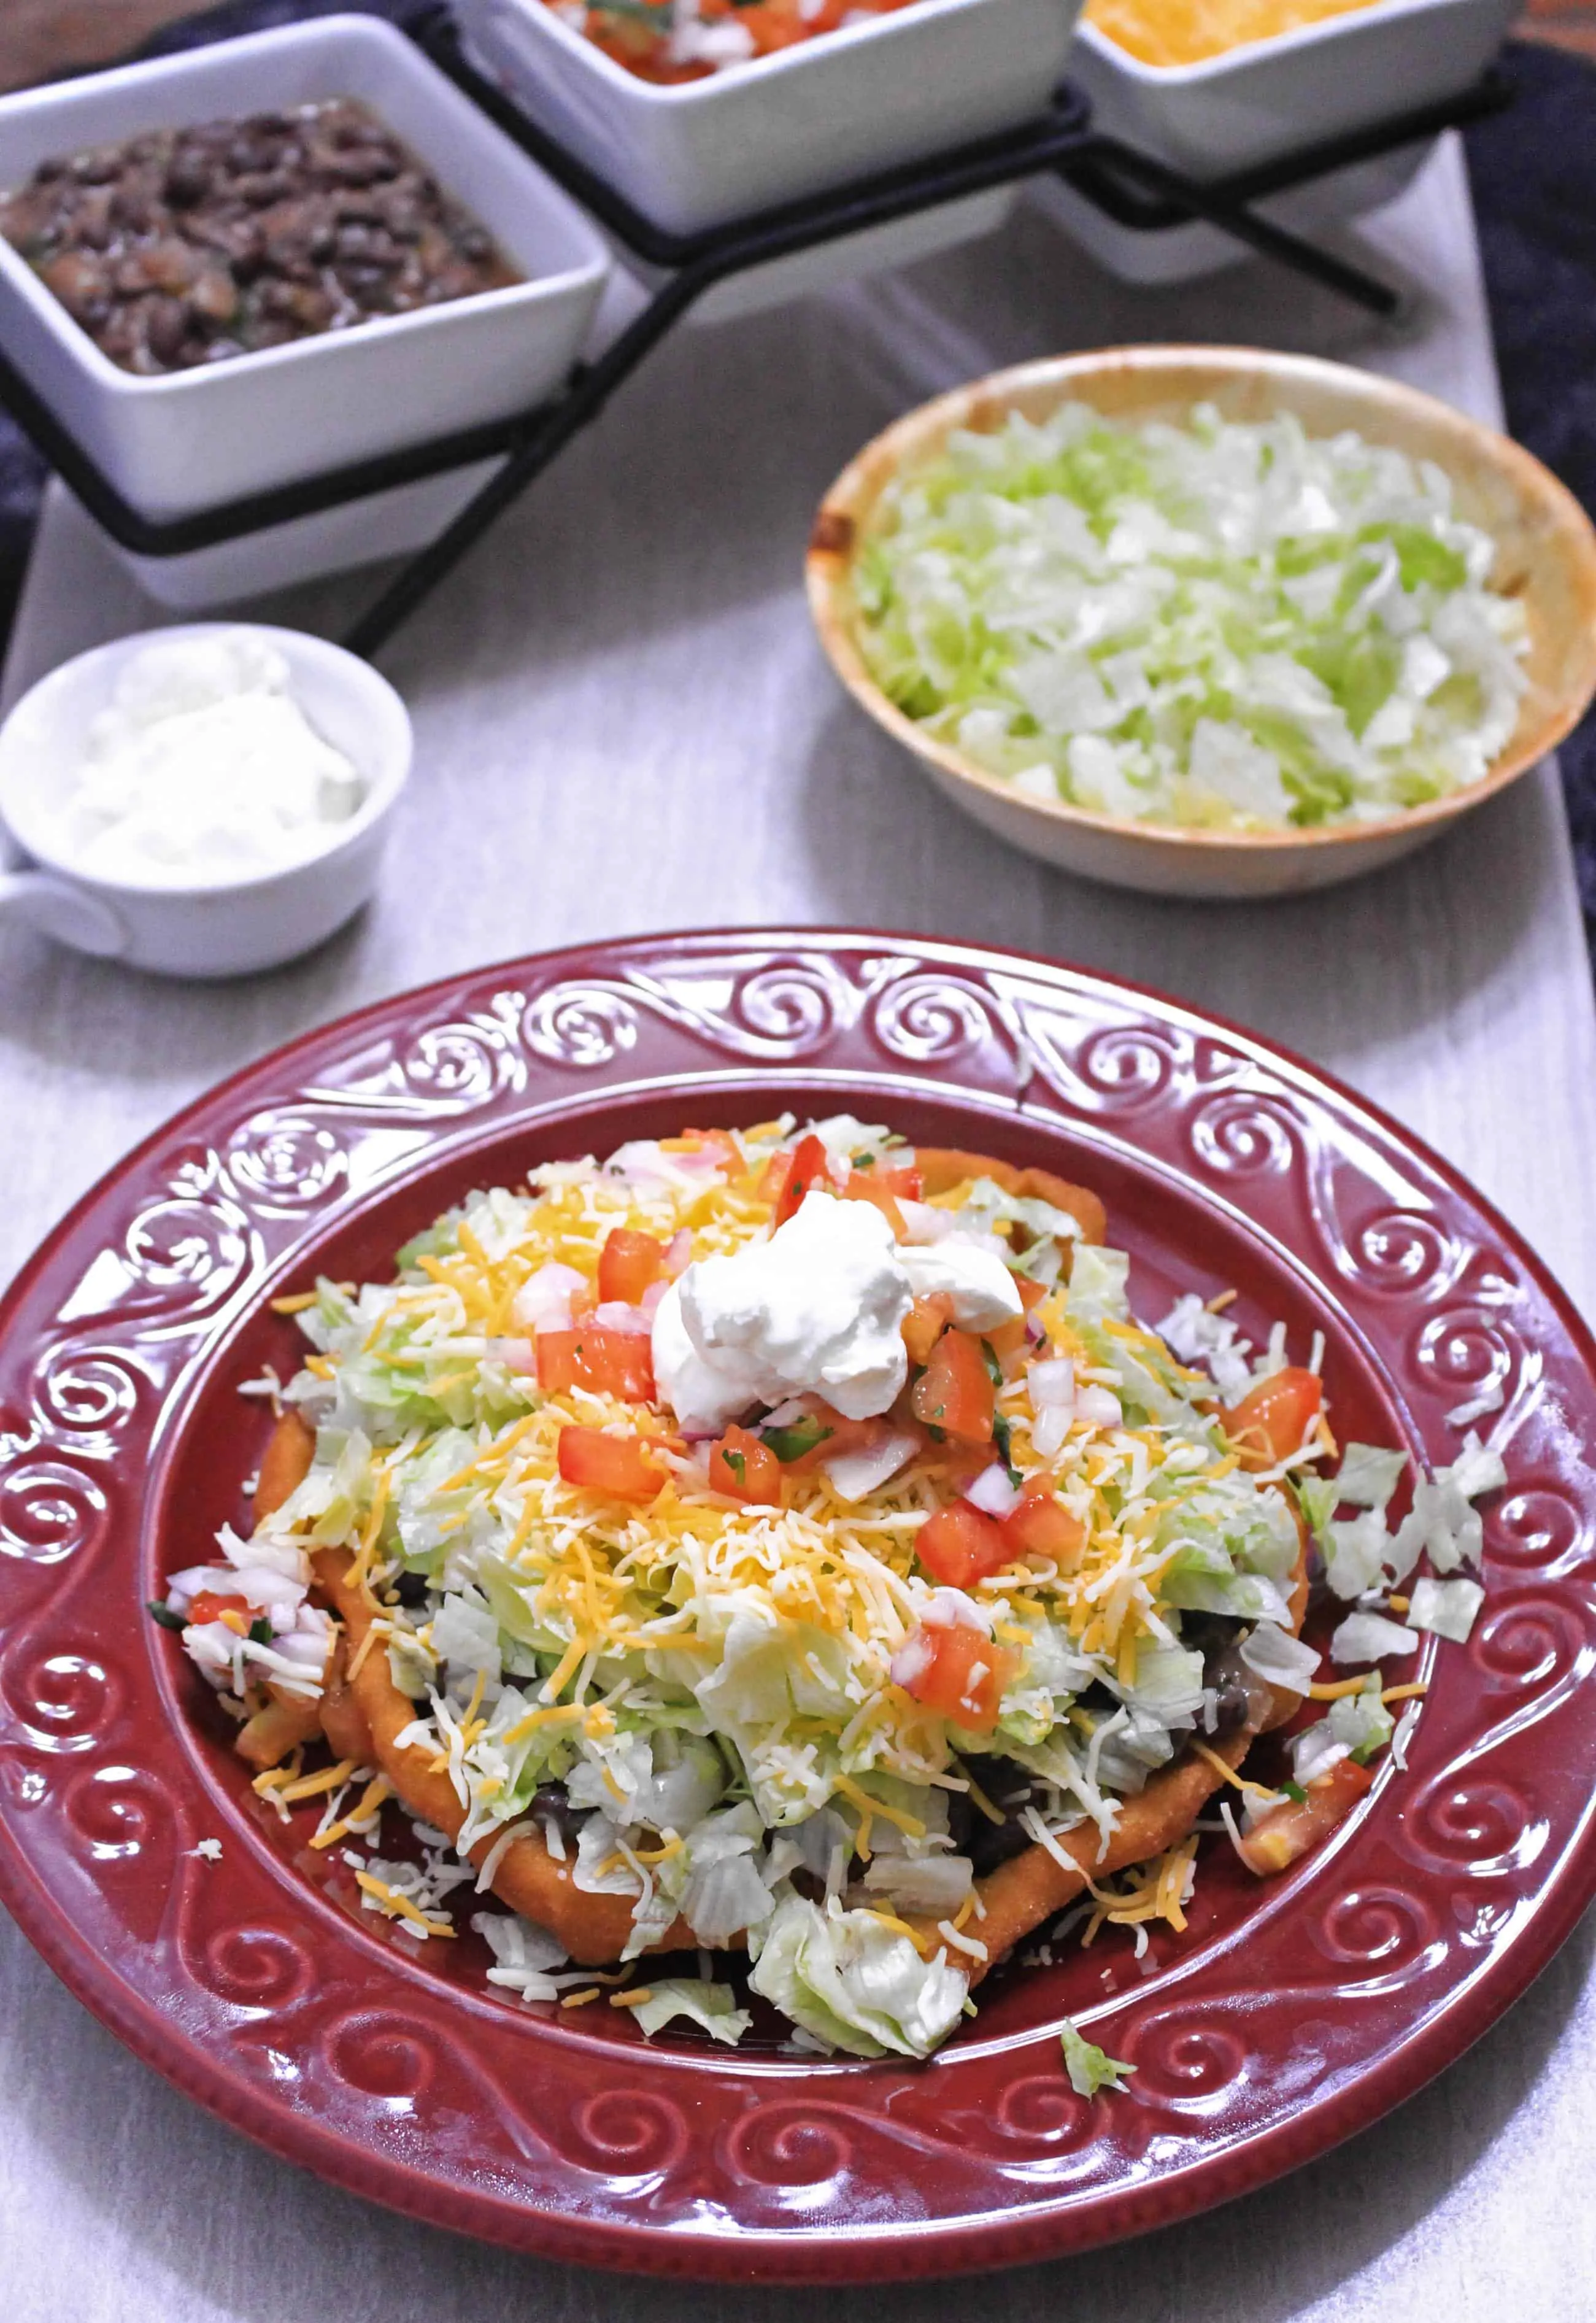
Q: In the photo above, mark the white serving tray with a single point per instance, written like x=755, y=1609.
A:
x=622, y=721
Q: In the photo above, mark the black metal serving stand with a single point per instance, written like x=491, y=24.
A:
x=1127, y=186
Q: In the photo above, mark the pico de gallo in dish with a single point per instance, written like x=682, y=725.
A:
x=672, y=41
x=788, y=1543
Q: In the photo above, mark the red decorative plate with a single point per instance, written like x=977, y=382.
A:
x=1288, y=2016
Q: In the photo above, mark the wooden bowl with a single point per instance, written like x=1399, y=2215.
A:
x=1545, y=554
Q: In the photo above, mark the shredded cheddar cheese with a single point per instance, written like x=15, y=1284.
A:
x=1189, y=32
x=395, y=1906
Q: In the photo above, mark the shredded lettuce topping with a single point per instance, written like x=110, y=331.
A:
x=1218, y=625
x=1089, y=2068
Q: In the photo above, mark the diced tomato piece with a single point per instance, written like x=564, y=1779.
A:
x=925, y=1323
x=617, y=1465
x=1011, y=1338
x=629, y=1264
x=955, y=1670
x=606, y=1363
x=1272, y=1419
x=865, y=1186
x=1008, y=1339
x=745, y=1468
x=210, y=1605
x=904, y=1182
x=1282, y=1833
x=962, y=1543
x=790, y=1177
x=721, y=1144
x=1039, y=1525
x=955, y=1390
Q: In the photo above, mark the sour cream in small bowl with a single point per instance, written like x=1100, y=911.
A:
x=205, y=800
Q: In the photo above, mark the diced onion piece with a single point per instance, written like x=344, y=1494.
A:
x=855, y=1475
x=1050, y=1428
x=1098, y=1407
x=993, y=1493
x=615, y=1315
x=1051, y=1382
x=543, y=1303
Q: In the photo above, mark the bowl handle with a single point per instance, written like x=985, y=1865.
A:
x=55, y=907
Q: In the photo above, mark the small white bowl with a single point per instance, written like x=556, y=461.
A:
x=191, y=440
x=699, y=154
x=205, y=928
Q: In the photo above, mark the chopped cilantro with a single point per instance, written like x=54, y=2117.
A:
x=994, y=1368
x=164, y=1615
x=1003, y=1437
x=793, y=1443
x=1295, y=1791
x=261, y=1631
x=737, y=1461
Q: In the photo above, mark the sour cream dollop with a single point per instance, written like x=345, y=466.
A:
x=817, y=1309
x=977, y=1281
x=202, y=766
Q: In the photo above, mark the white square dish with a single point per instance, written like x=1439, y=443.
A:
x=1186, y=253
x=1269, y=99
x=1263, y=101
x=398, y=522
x=190, y=440
x=701, y=153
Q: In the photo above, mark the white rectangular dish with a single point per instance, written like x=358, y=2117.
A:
x=700, y=154
x=189, y=440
